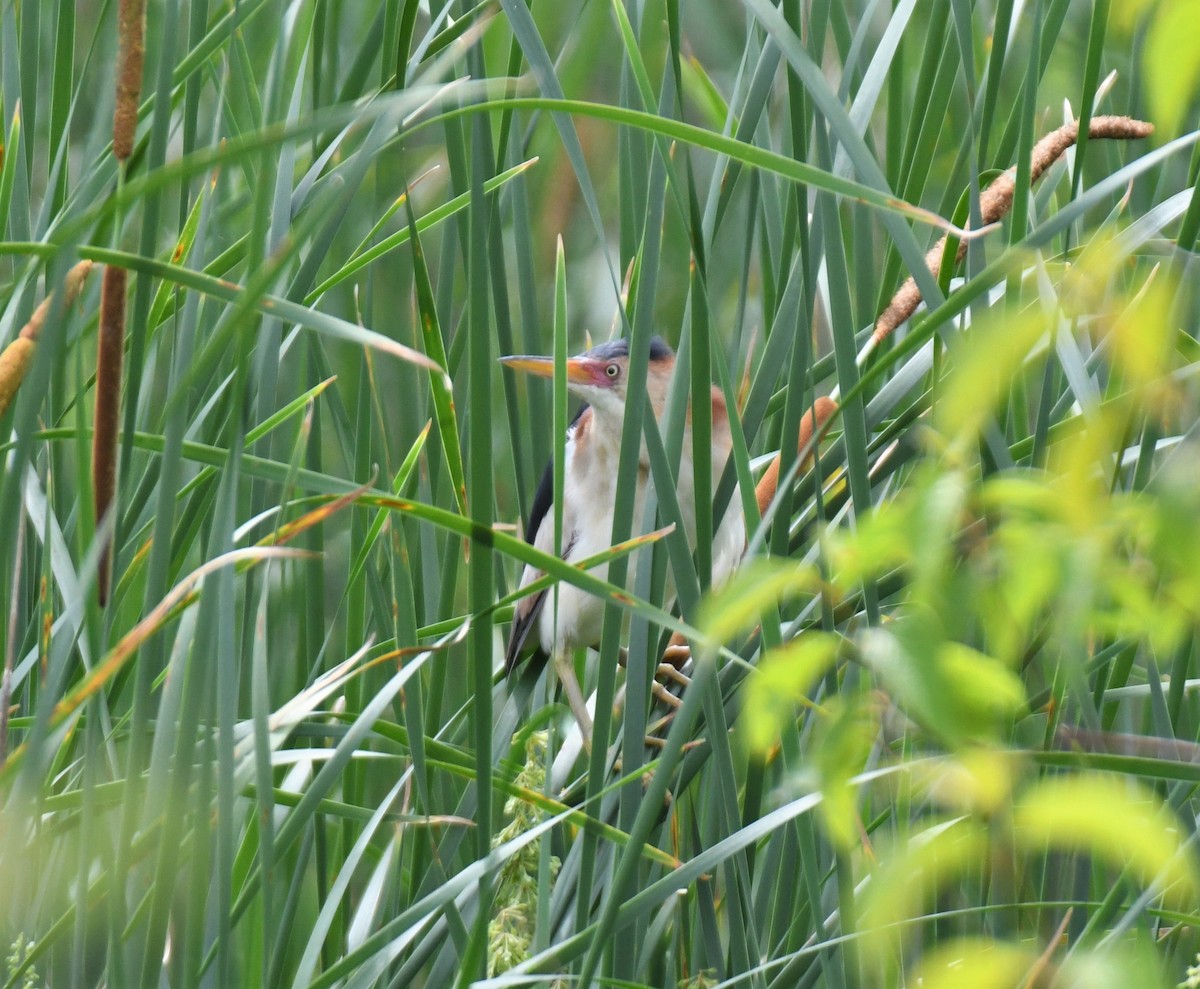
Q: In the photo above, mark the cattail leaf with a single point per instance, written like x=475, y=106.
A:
x=398, y=483
x=443, y=395
x=364, y=257
x=9, y=163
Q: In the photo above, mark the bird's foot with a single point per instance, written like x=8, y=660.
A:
x=671, y=678
x=657, y=742
x=676, y=674
x=664, y=696
x=677, y=654
x=665, y=675
x=674, y=669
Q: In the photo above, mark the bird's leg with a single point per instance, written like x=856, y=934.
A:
x=564, y=666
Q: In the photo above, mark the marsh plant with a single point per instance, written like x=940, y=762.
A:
x=264, y=483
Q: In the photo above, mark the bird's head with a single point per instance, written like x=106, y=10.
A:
x=599, y=376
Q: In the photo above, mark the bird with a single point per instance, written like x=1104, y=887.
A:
x=599, y=376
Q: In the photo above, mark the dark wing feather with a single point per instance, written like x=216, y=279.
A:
x=524, y=619
x=543, y=499
x=526, y=614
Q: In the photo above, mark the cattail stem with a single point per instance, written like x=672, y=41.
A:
x=131, y=53
x=110, y=351
x=996, y=200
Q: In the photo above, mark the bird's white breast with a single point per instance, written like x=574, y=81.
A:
x=592, y=458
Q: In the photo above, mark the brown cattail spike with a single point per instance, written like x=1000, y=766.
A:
x=131, y=53
x=14, y=362
x=823, y=408
x=996, y=200
x=814, y=419
x=18, y=355
x=110, y=352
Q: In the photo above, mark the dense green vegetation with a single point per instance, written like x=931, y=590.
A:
x=943, y=727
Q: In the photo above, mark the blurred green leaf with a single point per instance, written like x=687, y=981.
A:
x=983, y=371
x=974, y=780
x=910, y=874
x=987, y=690
x=1118, y=820
x=780, y=682
x=977, y=962
x=960, y=693
x=1172, y=64
x=842, y=740
x=738, y=606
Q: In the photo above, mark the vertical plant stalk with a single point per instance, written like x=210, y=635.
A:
x=18, y=355
x=11, y=641
x=131, y=54
x=110, y=350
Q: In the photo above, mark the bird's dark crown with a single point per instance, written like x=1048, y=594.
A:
x=659, y=351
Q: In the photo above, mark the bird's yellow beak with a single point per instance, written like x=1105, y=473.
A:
x=580, y=370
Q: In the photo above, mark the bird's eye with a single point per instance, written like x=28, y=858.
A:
x=612, y=370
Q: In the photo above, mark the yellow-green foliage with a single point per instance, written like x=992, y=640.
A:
x=1011, y=583
x=511, y=930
